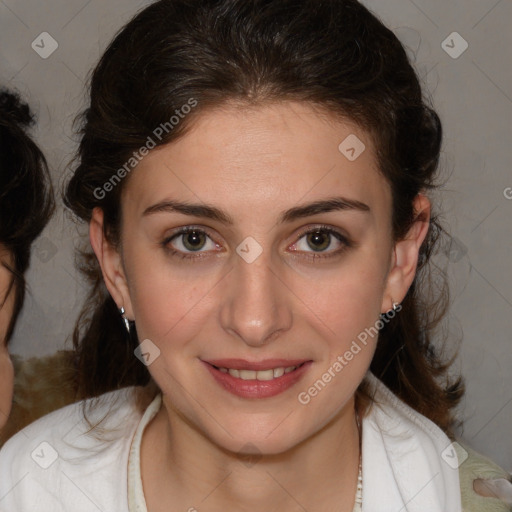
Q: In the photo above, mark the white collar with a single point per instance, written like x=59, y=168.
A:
x=403, y=467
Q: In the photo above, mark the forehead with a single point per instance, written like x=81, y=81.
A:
x=259, y=158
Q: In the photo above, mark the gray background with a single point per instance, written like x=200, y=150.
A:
x=473, y=95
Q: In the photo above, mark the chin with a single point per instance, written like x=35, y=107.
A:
x=256, y=447
x=270, y=438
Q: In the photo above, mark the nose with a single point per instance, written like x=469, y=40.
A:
x=256, y=307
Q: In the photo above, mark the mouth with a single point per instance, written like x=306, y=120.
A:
x=257, y=379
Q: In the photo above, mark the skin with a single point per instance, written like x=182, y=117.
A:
x=6, y=311
x=255, y=163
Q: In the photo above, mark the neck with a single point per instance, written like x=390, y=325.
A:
x=184, y=470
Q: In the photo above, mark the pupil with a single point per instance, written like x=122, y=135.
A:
x=318, y=241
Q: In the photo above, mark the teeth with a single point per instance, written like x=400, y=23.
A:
x=258, y=375
x=278, y=372
x=247, y=374
x=265, y=375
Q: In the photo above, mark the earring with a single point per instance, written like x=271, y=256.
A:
x=125, y=320
x=392, y=312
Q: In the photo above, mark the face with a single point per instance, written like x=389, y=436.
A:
x=6, y=311
x=254, y=254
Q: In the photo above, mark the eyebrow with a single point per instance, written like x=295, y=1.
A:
x=298, y=212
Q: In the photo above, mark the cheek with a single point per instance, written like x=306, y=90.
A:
x=6, y=385
x=348, y=308
x=171, y=303
x=347, y=299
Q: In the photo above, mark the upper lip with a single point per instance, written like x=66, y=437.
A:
x=266, y=364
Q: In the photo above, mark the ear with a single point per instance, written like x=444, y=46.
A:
x=405, y=255
x=111, y=264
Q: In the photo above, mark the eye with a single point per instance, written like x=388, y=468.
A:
x=320, y=240
x=190, y=240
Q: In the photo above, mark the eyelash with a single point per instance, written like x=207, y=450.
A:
x=313, y=256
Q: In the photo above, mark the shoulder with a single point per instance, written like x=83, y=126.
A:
x=475, y=466
x=398, y=421
x=64, y=461
x=404, y=451
x=408, y=435
x=41, y=385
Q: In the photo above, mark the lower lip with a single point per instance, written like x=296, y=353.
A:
x=257, y=388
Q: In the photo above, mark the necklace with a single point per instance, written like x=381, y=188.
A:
x=359, y=490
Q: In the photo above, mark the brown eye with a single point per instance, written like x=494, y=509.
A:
x=319, y=240
x=194, y=240
x=190, y=240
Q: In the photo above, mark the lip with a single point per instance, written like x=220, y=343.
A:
x=256, y=388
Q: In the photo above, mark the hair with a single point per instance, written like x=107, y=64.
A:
x=333, y=54
x=26, y=195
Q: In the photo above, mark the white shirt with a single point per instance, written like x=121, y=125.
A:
x=54, y=465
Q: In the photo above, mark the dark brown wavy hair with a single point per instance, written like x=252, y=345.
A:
x=26, y=194
x=333, y=54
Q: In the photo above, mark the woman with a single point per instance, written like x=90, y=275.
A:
x=26, y=204
x=254, y=175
